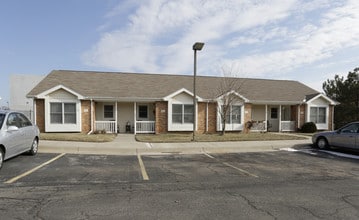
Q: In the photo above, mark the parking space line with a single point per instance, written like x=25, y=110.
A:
x=241, y=170
x=143, y=169
x=230, y=165
x=12, y=180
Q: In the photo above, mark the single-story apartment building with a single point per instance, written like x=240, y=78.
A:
x=89, y=101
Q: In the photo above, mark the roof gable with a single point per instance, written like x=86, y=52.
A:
x=314, y=97
x=57, y=88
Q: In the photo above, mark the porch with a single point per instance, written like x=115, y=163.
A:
x=124, y=117
x=275, y=118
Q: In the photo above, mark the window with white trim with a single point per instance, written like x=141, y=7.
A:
x=62, y=113
x=182, y=113
x=234, y=114
x=318, y=115
x=108, y=111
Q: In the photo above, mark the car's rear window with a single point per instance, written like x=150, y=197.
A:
x=2, y=117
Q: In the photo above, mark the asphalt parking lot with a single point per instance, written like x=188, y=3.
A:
x=290, y=184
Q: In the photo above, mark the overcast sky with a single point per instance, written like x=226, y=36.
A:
x=309, y=41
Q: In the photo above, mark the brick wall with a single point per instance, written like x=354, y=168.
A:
x=302, y=113
x=40, y=114
x=247, y=112
x=85, y=116
x=330, y=118
x=201, y=119
x=294, y=114
x=161, y=111
x=212, y=117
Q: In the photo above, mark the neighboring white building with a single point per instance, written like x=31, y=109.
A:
x=20, y=85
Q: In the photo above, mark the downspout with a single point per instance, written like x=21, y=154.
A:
x=91, y=116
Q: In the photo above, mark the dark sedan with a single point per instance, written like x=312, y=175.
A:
x=347, y=137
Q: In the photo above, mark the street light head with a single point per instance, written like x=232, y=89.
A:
x=198, y=46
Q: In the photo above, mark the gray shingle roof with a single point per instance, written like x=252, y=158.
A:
x=157, y=86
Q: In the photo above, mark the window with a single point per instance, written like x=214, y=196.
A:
x=23, y=121
x=274, y=113
x=2, y=117
x=353, y=128
x=12, y=120
x=62, y=113
x=318, y=115
x=70, y=113
x=234, y=114
x=143, y=111
x=108, y=111
x=182, y=113
x=56, y=113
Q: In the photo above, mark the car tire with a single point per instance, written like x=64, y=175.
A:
x=322, y=143
x=34, y=147
x=1, y=158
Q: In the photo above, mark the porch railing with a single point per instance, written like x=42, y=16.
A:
x=108, y=126
x=287, y=125
x=259, y=126
x=145, y=127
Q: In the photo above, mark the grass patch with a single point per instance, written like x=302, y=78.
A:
x=178, y=137
x=77, y=137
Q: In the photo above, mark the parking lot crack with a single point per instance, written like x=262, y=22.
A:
x=347, y=198
x=252, y=204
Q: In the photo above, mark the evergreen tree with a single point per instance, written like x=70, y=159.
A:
x=346, y=92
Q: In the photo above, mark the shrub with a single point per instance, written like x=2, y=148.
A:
x=309, y=127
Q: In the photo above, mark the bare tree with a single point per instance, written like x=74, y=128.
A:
x=227, y=93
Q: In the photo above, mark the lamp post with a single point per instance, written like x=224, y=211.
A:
x=195, y=47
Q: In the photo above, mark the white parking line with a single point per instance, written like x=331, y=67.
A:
x=12, y=180
x=143, y=169
x=230, y=165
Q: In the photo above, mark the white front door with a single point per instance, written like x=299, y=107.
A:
x=273, y=121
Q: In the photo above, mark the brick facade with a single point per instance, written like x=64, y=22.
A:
x=302, y=113
x=330, y=116
x=212, y=117
x=85, y=116
x=247, y=112
x=205, y=125
x=294, y=114
x=161, y=112
x=40, y=114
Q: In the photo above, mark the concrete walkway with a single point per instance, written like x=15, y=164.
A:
x=125, y=144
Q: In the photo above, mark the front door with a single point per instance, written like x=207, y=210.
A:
x=273, y=122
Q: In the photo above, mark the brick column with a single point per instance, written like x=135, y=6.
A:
x=40, y=114
x=161, y=117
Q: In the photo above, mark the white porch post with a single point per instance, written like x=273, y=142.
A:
x=134, y=117
x=266, y=118
x=280, y=118
x=116, y=117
